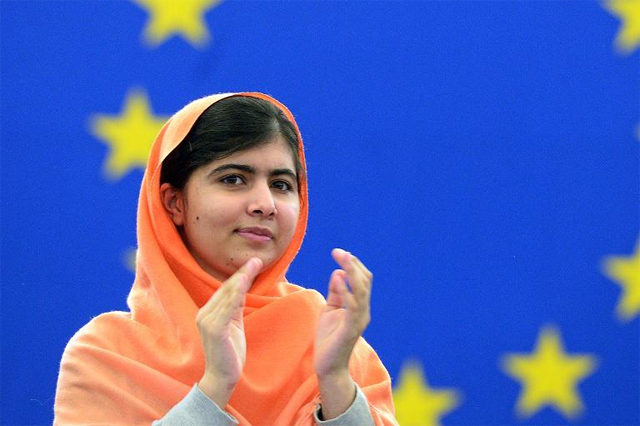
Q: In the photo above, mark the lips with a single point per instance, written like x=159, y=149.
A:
x=256, y=234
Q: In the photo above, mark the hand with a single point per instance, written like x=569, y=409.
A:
x=222, y=333
x=341, y=323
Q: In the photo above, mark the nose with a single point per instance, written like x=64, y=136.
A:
x=262, y=202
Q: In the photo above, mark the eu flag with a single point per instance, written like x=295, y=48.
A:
x=482, y=157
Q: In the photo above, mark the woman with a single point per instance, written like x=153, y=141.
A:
x=215, y=334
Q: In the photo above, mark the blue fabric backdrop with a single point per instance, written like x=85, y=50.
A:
x=482, y=157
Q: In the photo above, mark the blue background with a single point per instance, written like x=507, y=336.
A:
x=479, y=156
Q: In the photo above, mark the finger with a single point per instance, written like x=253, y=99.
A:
x=233, y=289
x=230, y=306
x=367, y=273
x=335, y=299
x=341, y=257
x=348, y=300
x=358, y=275
x=249, y=270
x=215, y=320
x=342, y=287
x=348, y=261
x=357, y=304
x=351, y=309
x=223, y=312
x=239, y=284
x=362, y=289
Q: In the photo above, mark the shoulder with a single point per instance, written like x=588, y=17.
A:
x=103, y=332
x=109, y=344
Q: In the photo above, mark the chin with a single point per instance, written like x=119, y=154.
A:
x=266, y=260
x=237, y=260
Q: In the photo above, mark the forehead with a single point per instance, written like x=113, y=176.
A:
x=276, y=153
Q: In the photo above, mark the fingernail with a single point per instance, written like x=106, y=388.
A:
x=257, y=262
x=253, y=264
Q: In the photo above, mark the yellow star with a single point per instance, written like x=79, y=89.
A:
x=628, y=11
x=549, y=376
x=183, y=17
x=417, y=404
x=129, y=135
x=626, y=272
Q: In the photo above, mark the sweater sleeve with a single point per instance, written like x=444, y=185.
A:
x=194, y=410
x=197, y=409
x=357, y=414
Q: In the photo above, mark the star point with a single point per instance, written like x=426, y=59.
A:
x=549, y=376
x=129, y=135
x=628, y=11
x=625, y=271
x=177, y=17
x=416, y=403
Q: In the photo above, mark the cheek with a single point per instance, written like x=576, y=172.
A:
x=289, y=213
x=215, y=223
x=209, y=214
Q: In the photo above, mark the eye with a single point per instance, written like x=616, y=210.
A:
x=282, y=185
x=232, y=180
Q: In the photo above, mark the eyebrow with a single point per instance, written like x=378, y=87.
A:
x=248, y=169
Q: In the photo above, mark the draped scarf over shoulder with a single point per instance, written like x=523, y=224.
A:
x=130, y=368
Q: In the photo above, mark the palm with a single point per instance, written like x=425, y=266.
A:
x=233, y=350
x=332, y=337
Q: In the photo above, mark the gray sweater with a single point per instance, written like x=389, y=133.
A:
x=196, y=409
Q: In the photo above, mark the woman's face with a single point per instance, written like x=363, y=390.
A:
x=245, y=205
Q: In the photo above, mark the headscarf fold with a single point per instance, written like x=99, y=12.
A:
x=131, y=368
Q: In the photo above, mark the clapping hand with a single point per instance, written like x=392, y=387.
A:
x=221, y=326
x=341, y=323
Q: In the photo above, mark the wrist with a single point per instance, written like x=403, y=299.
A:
x=335, y=378
x=337, y=393
x=219, y=391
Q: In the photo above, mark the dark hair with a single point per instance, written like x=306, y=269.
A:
x=233, y=124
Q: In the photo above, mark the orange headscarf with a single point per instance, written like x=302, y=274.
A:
x=131, y=368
